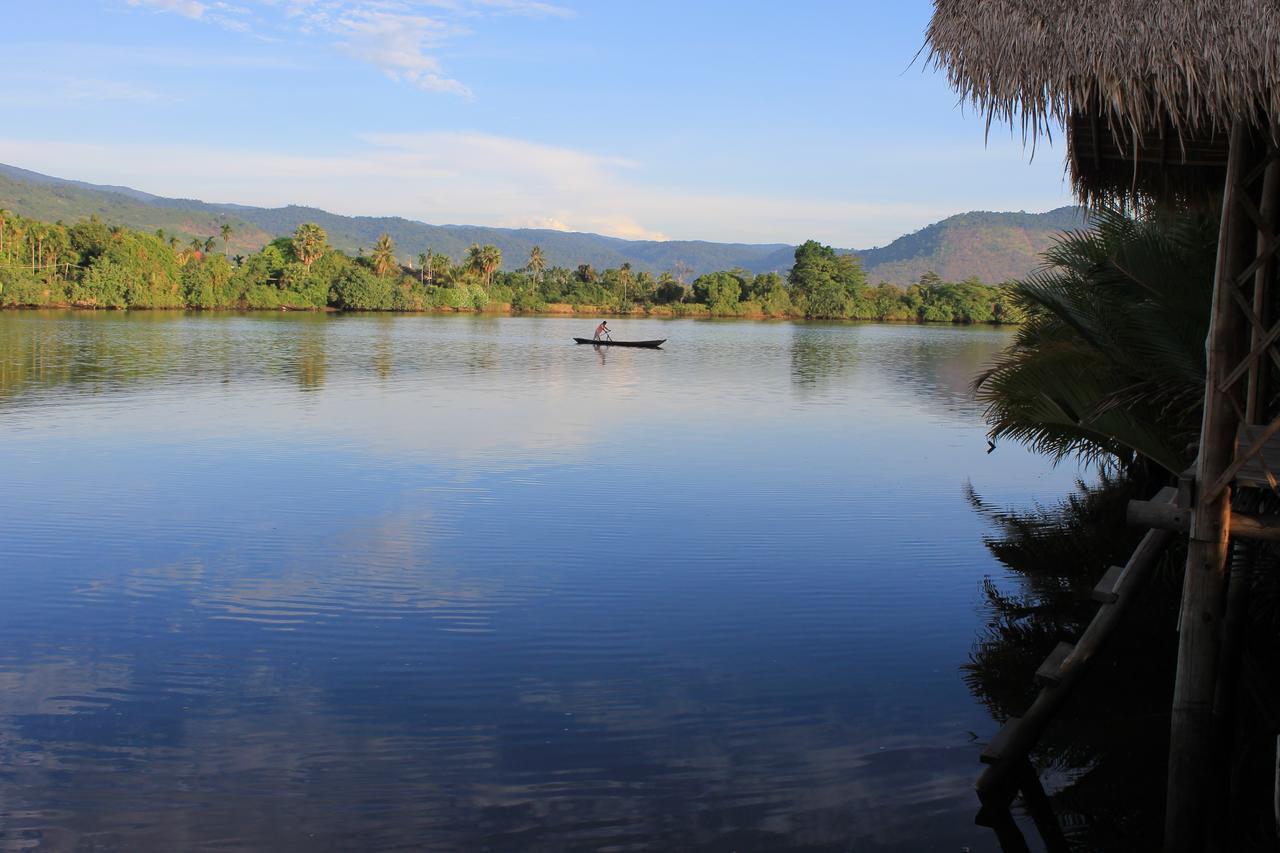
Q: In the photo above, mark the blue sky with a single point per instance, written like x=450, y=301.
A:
x=731, y=121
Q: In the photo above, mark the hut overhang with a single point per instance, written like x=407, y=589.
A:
x=1146, y=89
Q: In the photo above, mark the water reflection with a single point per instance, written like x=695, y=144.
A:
x=1104, y=755
x=111, y=351
x=308, y=582
x=936, y=364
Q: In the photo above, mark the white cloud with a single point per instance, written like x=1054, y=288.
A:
x=187, y=8
x=547, y=223
x=472, y=178
x=397, y=44
x=400, y=37
x=529, y=7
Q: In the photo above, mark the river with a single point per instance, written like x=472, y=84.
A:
x=317, y=582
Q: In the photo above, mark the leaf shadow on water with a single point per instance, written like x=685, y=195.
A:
x=1103, y=756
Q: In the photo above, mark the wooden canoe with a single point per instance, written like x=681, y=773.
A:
x=608, y=343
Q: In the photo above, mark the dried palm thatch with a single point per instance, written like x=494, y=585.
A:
x=1147, y=89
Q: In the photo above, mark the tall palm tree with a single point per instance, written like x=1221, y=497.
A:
x=423, y=260
x=490, y=261
x=17, y=235
x=209, y=244
x=474, y=261
x=225, y=231
x=37, y=248
x=537, y=263
x=624, y=276
x=384, y=255
x=1110, y=362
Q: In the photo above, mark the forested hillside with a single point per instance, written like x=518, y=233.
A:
x=992, y=247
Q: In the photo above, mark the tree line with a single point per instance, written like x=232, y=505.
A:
x=95, y=265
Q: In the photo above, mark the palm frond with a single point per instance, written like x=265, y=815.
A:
x=1110, y=362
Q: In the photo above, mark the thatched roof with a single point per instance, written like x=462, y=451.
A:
x=1148, y=89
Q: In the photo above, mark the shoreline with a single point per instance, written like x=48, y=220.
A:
x=686, y=311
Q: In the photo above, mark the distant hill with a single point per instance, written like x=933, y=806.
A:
x=992, y=246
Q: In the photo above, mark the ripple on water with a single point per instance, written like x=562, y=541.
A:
x=371, y=582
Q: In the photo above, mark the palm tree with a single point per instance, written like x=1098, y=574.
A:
x=537, y=263
x=4, y=218
x=384, y=255
x=309, y=243
x=624, y=275
x=37, y=249
x=209, y=244
x=1110, y=362
x=225, y=231
x=474, y=260
x=490, y=261
x=17, y=234
x=423, y=259
x=440, y=265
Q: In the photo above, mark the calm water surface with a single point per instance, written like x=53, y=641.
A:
x=334, y=583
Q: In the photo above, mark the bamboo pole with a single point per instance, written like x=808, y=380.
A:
x=1255, y=401
x=1191, y=726
x=1245, y=525
x=1019, y=736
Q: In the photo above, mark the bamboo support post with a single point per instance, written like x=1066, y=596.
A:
x=1191, y=725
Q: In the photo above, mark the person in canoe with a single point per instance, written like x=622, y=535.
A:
x=602, y=329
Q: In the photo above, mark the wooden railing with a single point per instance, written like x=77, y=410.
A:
x=1009, y=771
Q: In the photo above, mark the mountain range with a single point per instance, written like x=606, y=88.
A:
x=991, y=246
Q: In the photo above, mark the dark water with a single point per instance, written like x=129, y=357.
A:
x=334, y=583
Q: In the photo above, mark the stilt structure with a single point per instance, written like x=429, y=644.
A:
x=1166, y=103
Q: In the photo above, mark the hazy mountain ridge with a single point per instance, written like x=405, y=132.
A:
x=991, y=246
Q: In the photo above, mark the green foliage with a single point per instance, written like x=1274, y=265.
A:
x=383, y=257
x=357, y=289
x=825, y=283
x=20, y=287
x=104, y=285
x=669, y=290
x=1110, y=362
x=309, y=243
x=720, y=292
x=92, y=263
x=466, y=297
x=206, y=283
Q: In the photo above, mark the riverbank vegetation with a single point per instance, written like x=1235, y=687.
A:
x=95, y=265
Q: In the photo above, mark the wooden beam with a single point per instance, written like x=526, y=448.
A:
x=1106, y=590
x=997, y=748
x=1190, y=779
x=1246, y=525
x=1164, y=516
x=1019, y=735
x=1050, y=672
x=1257, y=387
